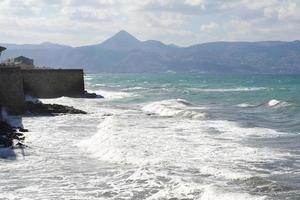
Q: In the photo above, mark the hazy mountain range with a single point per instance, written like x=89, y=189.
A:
x=124, y=53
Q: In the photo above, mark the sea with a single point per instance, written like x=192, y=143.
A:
x=164, y=137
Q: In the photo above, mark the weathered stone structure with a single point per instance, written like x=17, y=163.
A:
x=11, y=90
x=16, y=83
x=53, y=83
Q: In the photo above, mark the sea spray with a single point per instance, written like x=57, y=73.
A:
x=174, y=108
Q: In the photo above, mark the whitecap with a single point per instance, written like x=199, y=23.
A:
x=245, y=105
x=133, y=89
x=238, y=89
x=174, y=108
x=277, y=104
x=111, y=95
x=214, y=193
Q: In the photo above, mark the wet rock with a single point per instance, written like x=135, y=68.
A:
x=91, y=95
x=8, y=134
x=23, y=130
x=51, y=109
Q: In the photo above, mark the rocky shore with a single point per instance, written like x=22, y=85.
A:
x=40, y=108
x=9, y=134
x=11, y=137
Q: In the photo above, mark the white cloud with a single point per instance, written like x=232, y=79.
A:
x=209, y=27
x=79, y=22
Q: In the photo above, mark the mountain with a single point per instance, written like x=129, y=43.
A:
x=125, y=53
x=121, y=41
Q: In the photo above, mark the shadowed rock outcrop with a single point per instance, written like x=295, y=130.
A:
x=51, y=109
x=8, y=134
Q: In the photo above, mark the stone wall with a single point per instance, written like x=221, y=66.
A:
x=52, y=83
x=11, y=90
x=15, y=84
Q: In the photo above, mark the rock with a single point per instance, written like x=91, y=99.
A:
x=8, y=134
x=51, y=109
x=23, y=130
x=91, y=95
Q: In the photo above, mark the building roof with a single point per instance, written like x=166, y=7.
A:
x=2, y=49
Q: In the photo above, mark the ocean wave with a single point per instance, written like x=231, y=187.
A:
x=103, y=144
x=111, y=95
x=200, y=146
x=133, y=89
x=274, y=103
x=215, y=193
x=88, y=78
x=246, y=105
x=174, y=108
x=238, y=89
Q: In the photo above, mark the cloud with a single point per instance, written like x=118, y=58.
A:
x=182, y=22
x=209, y=27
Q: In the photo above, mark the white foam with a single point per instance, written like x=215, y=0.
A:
x=111, y=95
x=245, y=105
x=214, y=193
x=209, y=192
x=133, y=89
x=238, y=89
x=277, y=104
x=184, y=143
x=235, y=131
x=173, y=108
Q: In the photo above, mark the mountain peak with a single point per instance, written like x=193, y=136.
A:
x=123, y=33
x=121, y=40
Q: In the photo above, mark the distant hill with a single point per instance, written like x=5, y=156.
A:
x=125, y=53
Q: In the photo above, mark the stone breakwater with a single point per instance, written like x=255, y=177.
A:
x=17, y=83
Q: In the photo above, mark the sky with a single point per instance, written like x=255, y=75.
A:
x=180, y=22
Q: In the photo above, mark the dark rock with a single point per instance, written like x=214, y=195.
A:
x=20, y=145
x=91, y=95
x=23, y=130
x=51, y=109
x=8, y=134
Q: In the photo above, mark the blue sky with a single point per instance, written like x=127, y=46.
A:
x=185, y=22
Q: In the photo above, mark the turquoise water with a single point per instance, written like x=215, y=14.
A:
x=261, y=104
x=228, y=96
x=165, y=137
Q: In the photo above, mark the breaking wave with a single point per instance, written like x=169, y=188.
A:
x=246, y=105
x=274, y=103
x=111, y=95
x=174, y=108
x=277, y=104
x=239, y=89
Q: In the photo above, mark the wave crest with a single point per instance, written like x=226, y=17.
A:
x=277, y=104
x=238, y=89
x=173, y=108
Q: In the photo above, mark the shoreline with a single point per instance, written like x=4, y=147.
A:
x=11, y=126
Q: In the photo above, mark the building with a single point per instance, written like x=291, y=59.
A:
x=21, y=61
